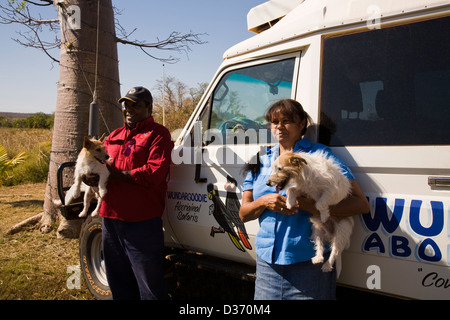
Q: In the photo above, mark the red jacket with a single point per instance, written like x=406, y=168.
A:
x=146, y=152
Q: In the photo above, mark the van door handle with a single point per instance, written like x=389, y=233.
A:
x=198, y=152
x=198, y=166
x=198, y=169
x=439, y=182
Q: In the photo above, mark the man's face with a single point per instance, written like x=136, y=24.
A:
x=135, y=112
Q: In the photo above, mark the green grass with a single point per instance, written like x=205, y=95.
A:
x=36, y=143
x=33, y=265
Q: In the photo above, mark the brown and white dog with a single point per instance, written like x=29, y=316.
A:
x=90, y=163
x=318, y=177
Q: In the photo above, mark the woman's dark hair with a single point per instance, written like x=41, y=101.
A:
x=290, y=108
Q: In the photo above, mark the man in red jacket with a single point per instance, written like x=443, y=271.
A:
x=133, y=240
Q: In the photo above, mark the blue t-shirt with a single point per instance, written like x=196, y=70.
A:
x=283, y=239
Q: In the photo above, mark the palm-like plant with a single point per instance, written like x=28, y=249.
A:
x=6, y=163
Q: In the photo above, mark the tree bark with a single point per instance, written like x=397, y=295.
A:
x=77, y=82
x=27, y=222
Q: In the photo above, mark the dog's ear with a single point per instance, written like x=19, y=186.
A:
x=86, y=142
x=297, y=161
x=102, y=137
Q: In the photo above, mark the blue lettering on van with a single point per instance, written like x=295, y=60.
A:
x=187, y=196
x=438, y=218
x=381, y=216
x=423, y=253
x=402, y=244
x=374, y=242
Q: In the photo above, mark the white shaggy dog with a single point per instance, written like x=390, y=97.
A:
x=320, y=178
x=90, y=162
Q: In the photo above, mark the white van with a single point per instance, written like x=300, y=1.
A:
x=375, y=78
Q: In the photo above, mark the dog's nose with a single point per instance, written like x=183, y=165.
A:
x=106, y=157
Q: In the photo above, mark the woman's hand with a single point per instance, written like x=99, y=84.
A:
x=252, y=209
x=277, y=203
x=307, y=204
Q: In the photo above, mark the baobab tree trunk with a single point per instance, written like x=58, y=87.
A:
x=77, y=82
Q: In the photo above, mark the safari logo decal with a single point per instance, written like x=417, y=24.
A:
x=227, y=215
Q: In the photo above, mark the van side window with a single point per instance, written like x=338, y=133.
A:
x=242, y=96
x=387, y=86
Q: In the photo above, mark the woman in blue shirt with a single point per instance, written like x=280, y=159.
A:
x=283, y=246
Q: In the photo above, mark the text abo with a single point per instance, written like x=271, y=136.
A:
x=399, y=244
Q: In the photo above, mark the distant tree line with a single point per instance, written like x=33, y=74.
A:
x=38, y=120
x=178, y=104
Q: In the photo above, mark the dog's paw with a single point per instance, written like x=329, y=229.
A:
x=82, y=214
x=324, y=217
x=102, y=193
x=291, y=202
x=317, y=259
x=327, y=267
x=57, y=203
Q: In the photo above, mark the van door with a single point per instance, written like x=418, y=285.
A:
x=385, y=110
x=204, y=191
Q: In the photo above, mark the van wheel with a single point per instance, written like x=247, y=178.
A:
x=91, y=258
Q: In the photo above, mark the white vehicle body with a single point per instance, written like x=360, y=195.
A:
x=375, y=78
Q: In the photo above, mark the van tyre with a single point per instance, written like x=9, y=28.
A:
x=91, y=258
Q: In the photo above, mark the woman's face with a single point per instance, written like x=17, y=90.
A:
x=287, y=130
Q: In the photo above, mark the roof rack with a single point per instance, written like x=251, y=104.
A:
x=266, y=15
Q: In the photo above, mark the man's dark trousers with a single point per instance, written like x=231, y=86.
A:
x=133, y=253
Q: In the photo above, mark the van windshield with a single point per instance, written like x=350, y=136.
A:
x=243, y=95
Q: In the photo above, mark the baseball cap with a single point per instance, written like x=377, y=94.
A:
x=137, y=94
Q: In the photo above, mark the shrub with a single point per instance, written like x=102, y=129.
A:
x=35, y=167
x=37, y=145
x=7, y=164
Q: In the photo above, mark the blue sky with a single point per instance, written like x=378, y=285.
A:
x=28, y=78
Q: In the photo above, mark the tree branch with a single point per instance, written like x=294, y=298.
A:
x=27, y=222
x=16, y=15
x=21, y=14
x=48, y=3
x=174, y=42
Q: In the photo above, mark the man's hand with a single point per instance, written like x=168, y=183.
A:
x=116, y=175
x=91, y=180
